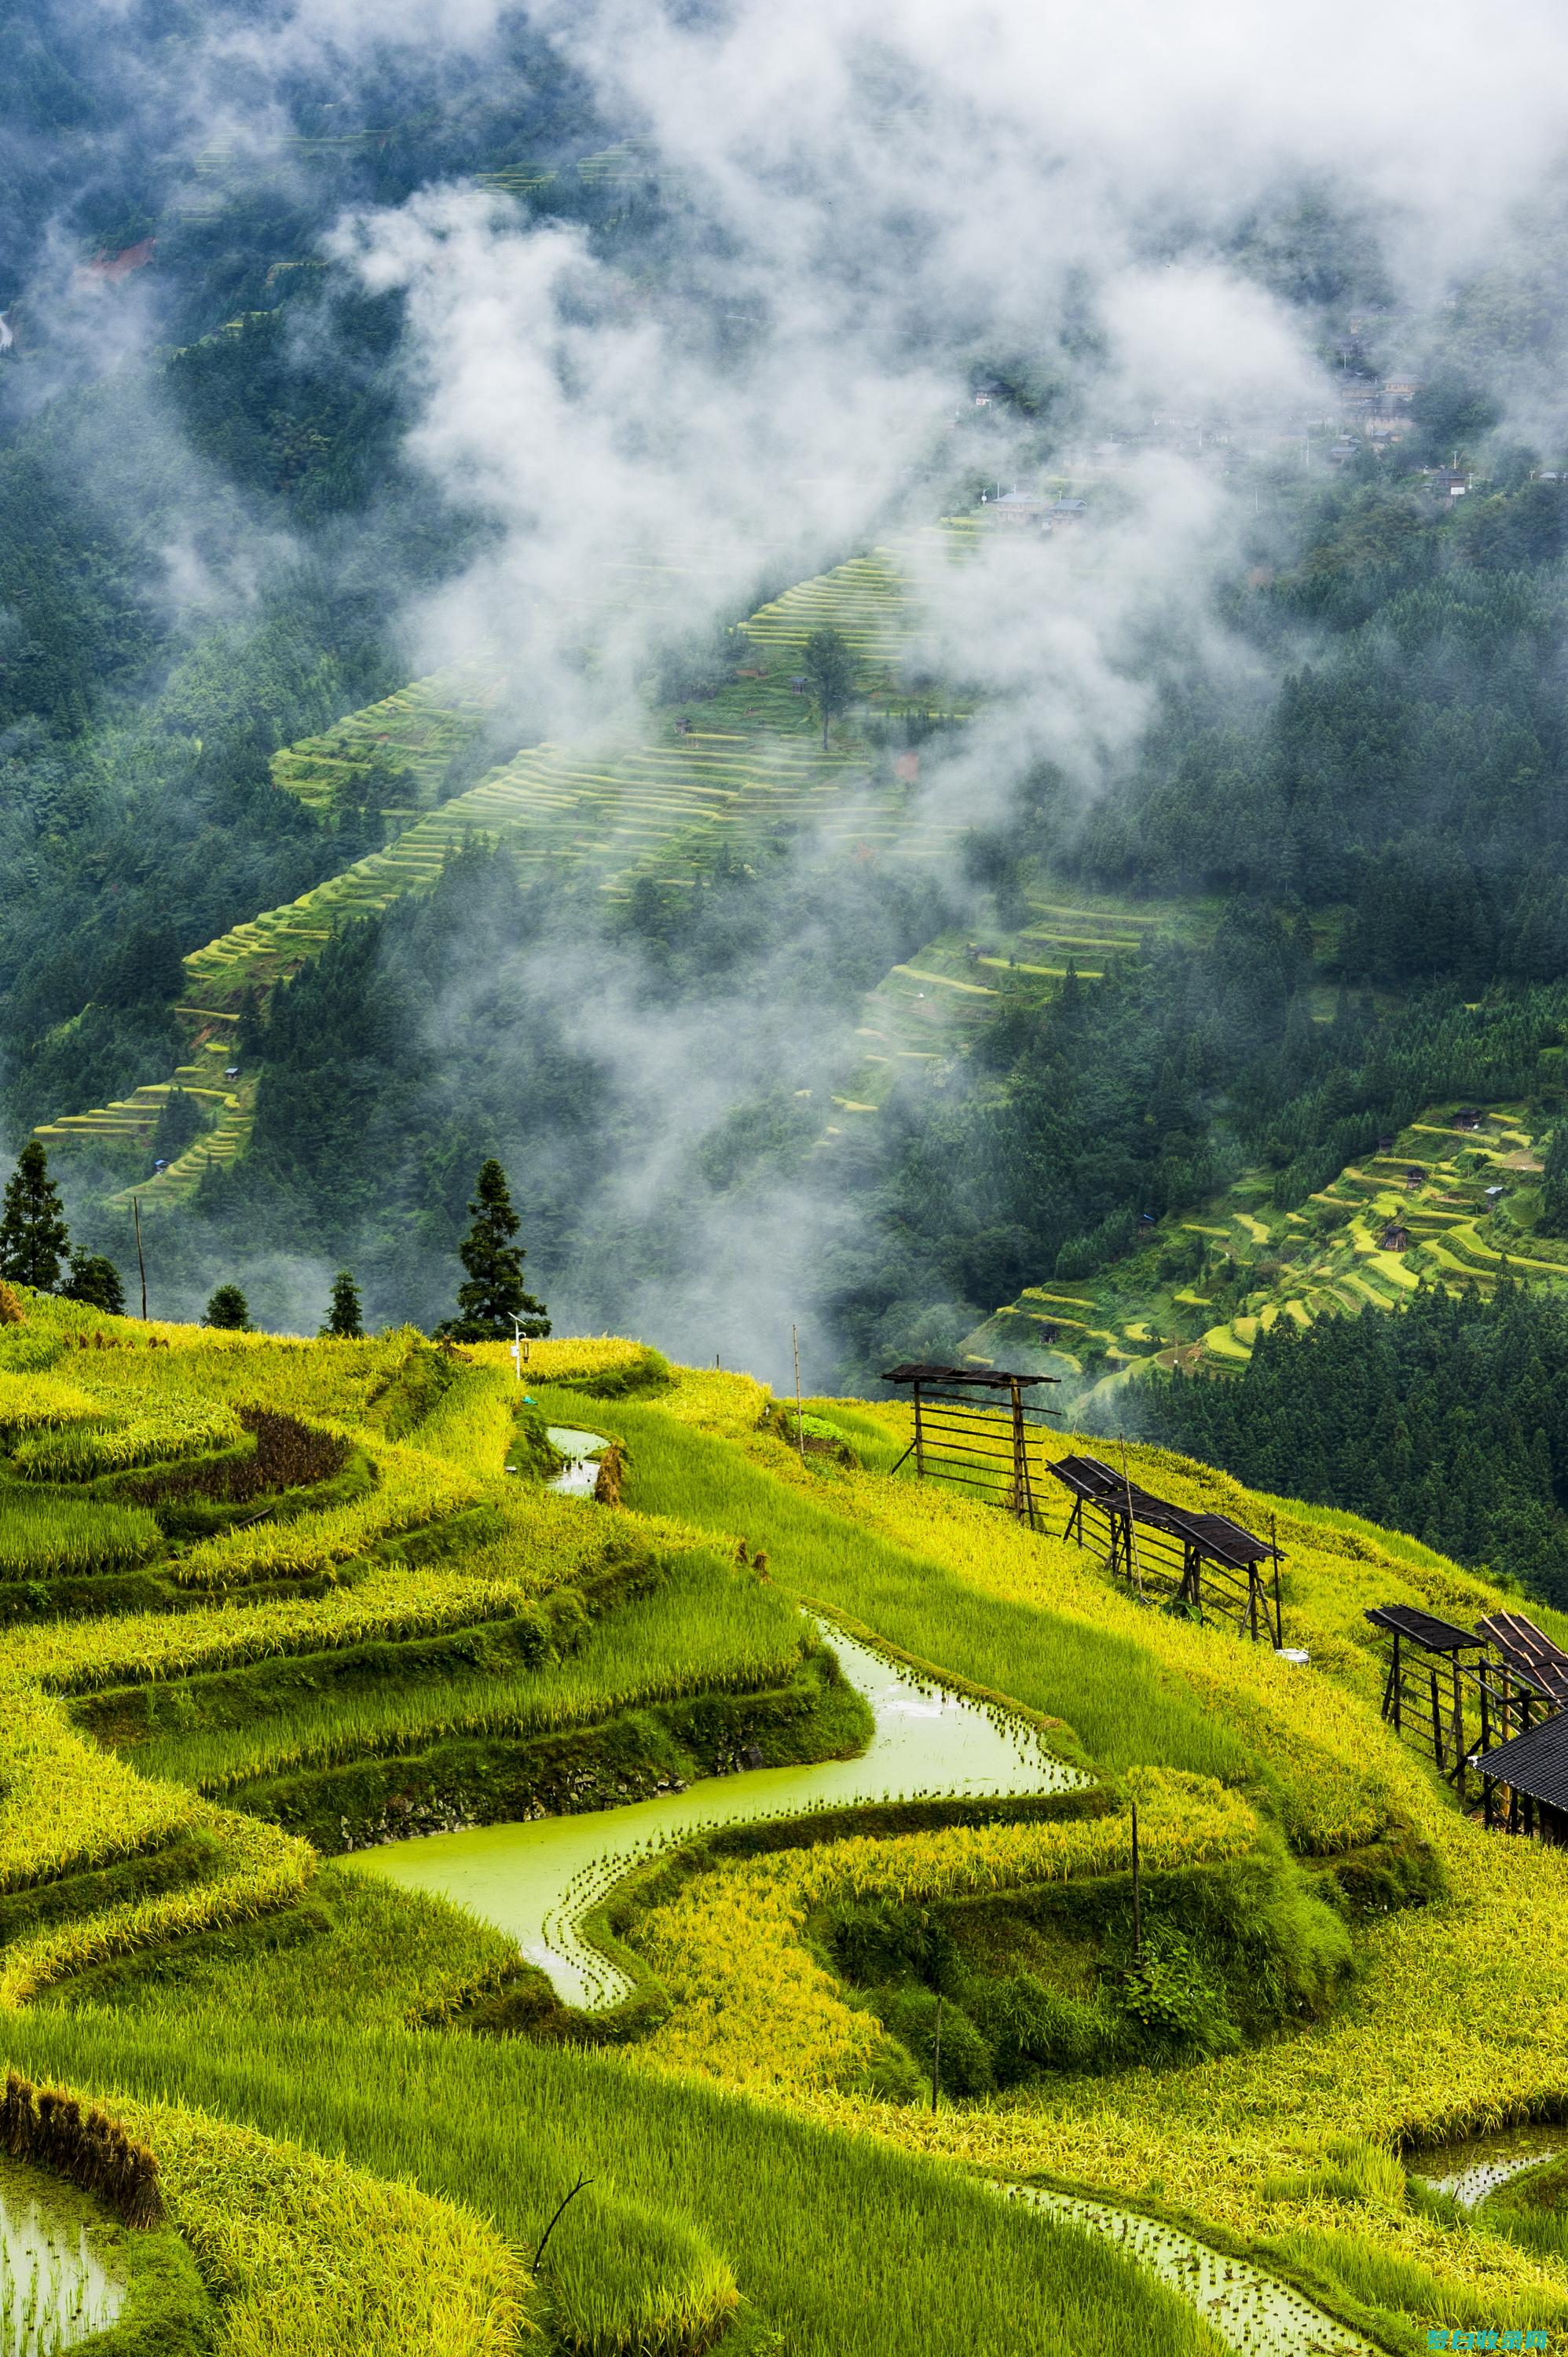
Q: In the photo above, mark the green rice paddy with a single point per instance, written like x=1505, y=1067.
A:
x=1437, y=1204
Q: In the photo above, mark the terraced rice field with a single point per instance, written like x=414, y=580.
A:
x=1439, y=1204
x=413, y=733
x=926, y=1009
x=747, y=757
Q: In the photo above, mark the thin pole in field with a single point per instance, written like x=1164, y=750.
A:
x=1137, y=1894
x=800, y=1424
x=1279, y=1608
x=937, y=2057
x=1134, y=1568
x=141, y=1264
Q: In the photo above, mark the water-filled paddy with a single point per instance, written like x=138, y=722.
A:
x=1476, y=2166
x=1251, y=2311
x=582, y=1451
x=54, y=2290
x=535, y=1880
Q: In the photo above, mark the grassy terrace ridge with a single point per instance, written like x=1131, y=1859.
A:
x=202, y=1705
x=1437, y=1204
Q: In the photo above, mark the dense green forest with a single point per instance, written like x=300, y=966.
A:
x=1449, y=1421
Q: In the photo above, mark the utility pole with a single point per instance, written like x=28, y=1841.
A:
x=800, y=1424
x=141, y=1264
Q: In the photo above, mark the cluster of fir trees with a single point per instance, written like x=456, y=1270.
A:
x=493, y=1301
x=1448, y=1419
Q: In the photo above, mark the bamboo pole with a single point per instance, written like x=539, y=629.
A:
x=799, y=1420
x=937, y=2057
x=141, y=1264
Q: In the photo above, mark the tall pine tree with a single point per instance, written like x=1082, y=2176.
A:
x=34, y=1239
x=345, y=1319
x=494, y=1294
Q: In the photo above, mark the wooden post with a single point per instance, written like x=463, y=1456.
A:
x=1279, y=1609
x=937, y=2056
x=919, y=1438
x=1436, y=1724
x=1253, y=1600
x=1023, y=1499
x=1134, y=1570
x=1398, y=1681
x=800, y=1418
x=141, y=1264
x=1458, y=1733
x=1137, y=1894
x=1486, y=1745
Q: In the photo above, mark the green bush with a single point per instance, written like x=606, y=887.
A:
x=966, y=2063
x=1170, y=2004
x=1032, y=2028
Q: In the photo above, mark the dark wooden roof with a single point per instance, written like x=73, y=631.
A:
x=1528, y=1652
x=982, y=1378
x=1215, y=1536
x=1422, y=1628
x=1536, y=1763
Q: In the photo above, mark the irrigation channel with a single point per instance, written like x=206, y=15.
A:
x=53, y=2289
x=537, y=1880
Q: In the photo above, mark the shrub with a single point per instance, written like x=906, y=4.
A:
x=1170, y=2004
x=966, y=2062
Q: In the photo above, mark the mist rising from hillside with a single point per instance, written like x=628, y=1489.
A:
x=858, y=214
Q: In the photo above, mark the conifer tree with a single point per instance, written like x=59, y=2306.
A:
x=494, y=1293
x=229, y=1310
x=344, y=1319
x=1554, y=1184
x=34, y=1238
x=830, y=672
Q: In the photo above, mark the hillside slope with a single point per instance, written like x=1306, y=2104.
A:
x=271, y=1599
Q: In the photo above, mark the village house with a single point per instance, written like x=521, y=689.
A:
x=1017, y=507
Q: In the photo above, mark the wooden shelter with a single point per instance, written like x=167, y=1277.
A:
x=1529, y=1653
x=973, y=1425
x=1450, y=1695
x=1204, y=1561
x=1532, y=1768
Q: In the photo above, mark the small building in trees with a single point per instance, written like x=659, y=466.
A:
x=1019, y=507
x=1395, y=1239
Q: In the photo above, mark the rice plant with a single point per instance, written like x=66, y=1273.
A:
x=705, y=1631
x=41, y=1537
